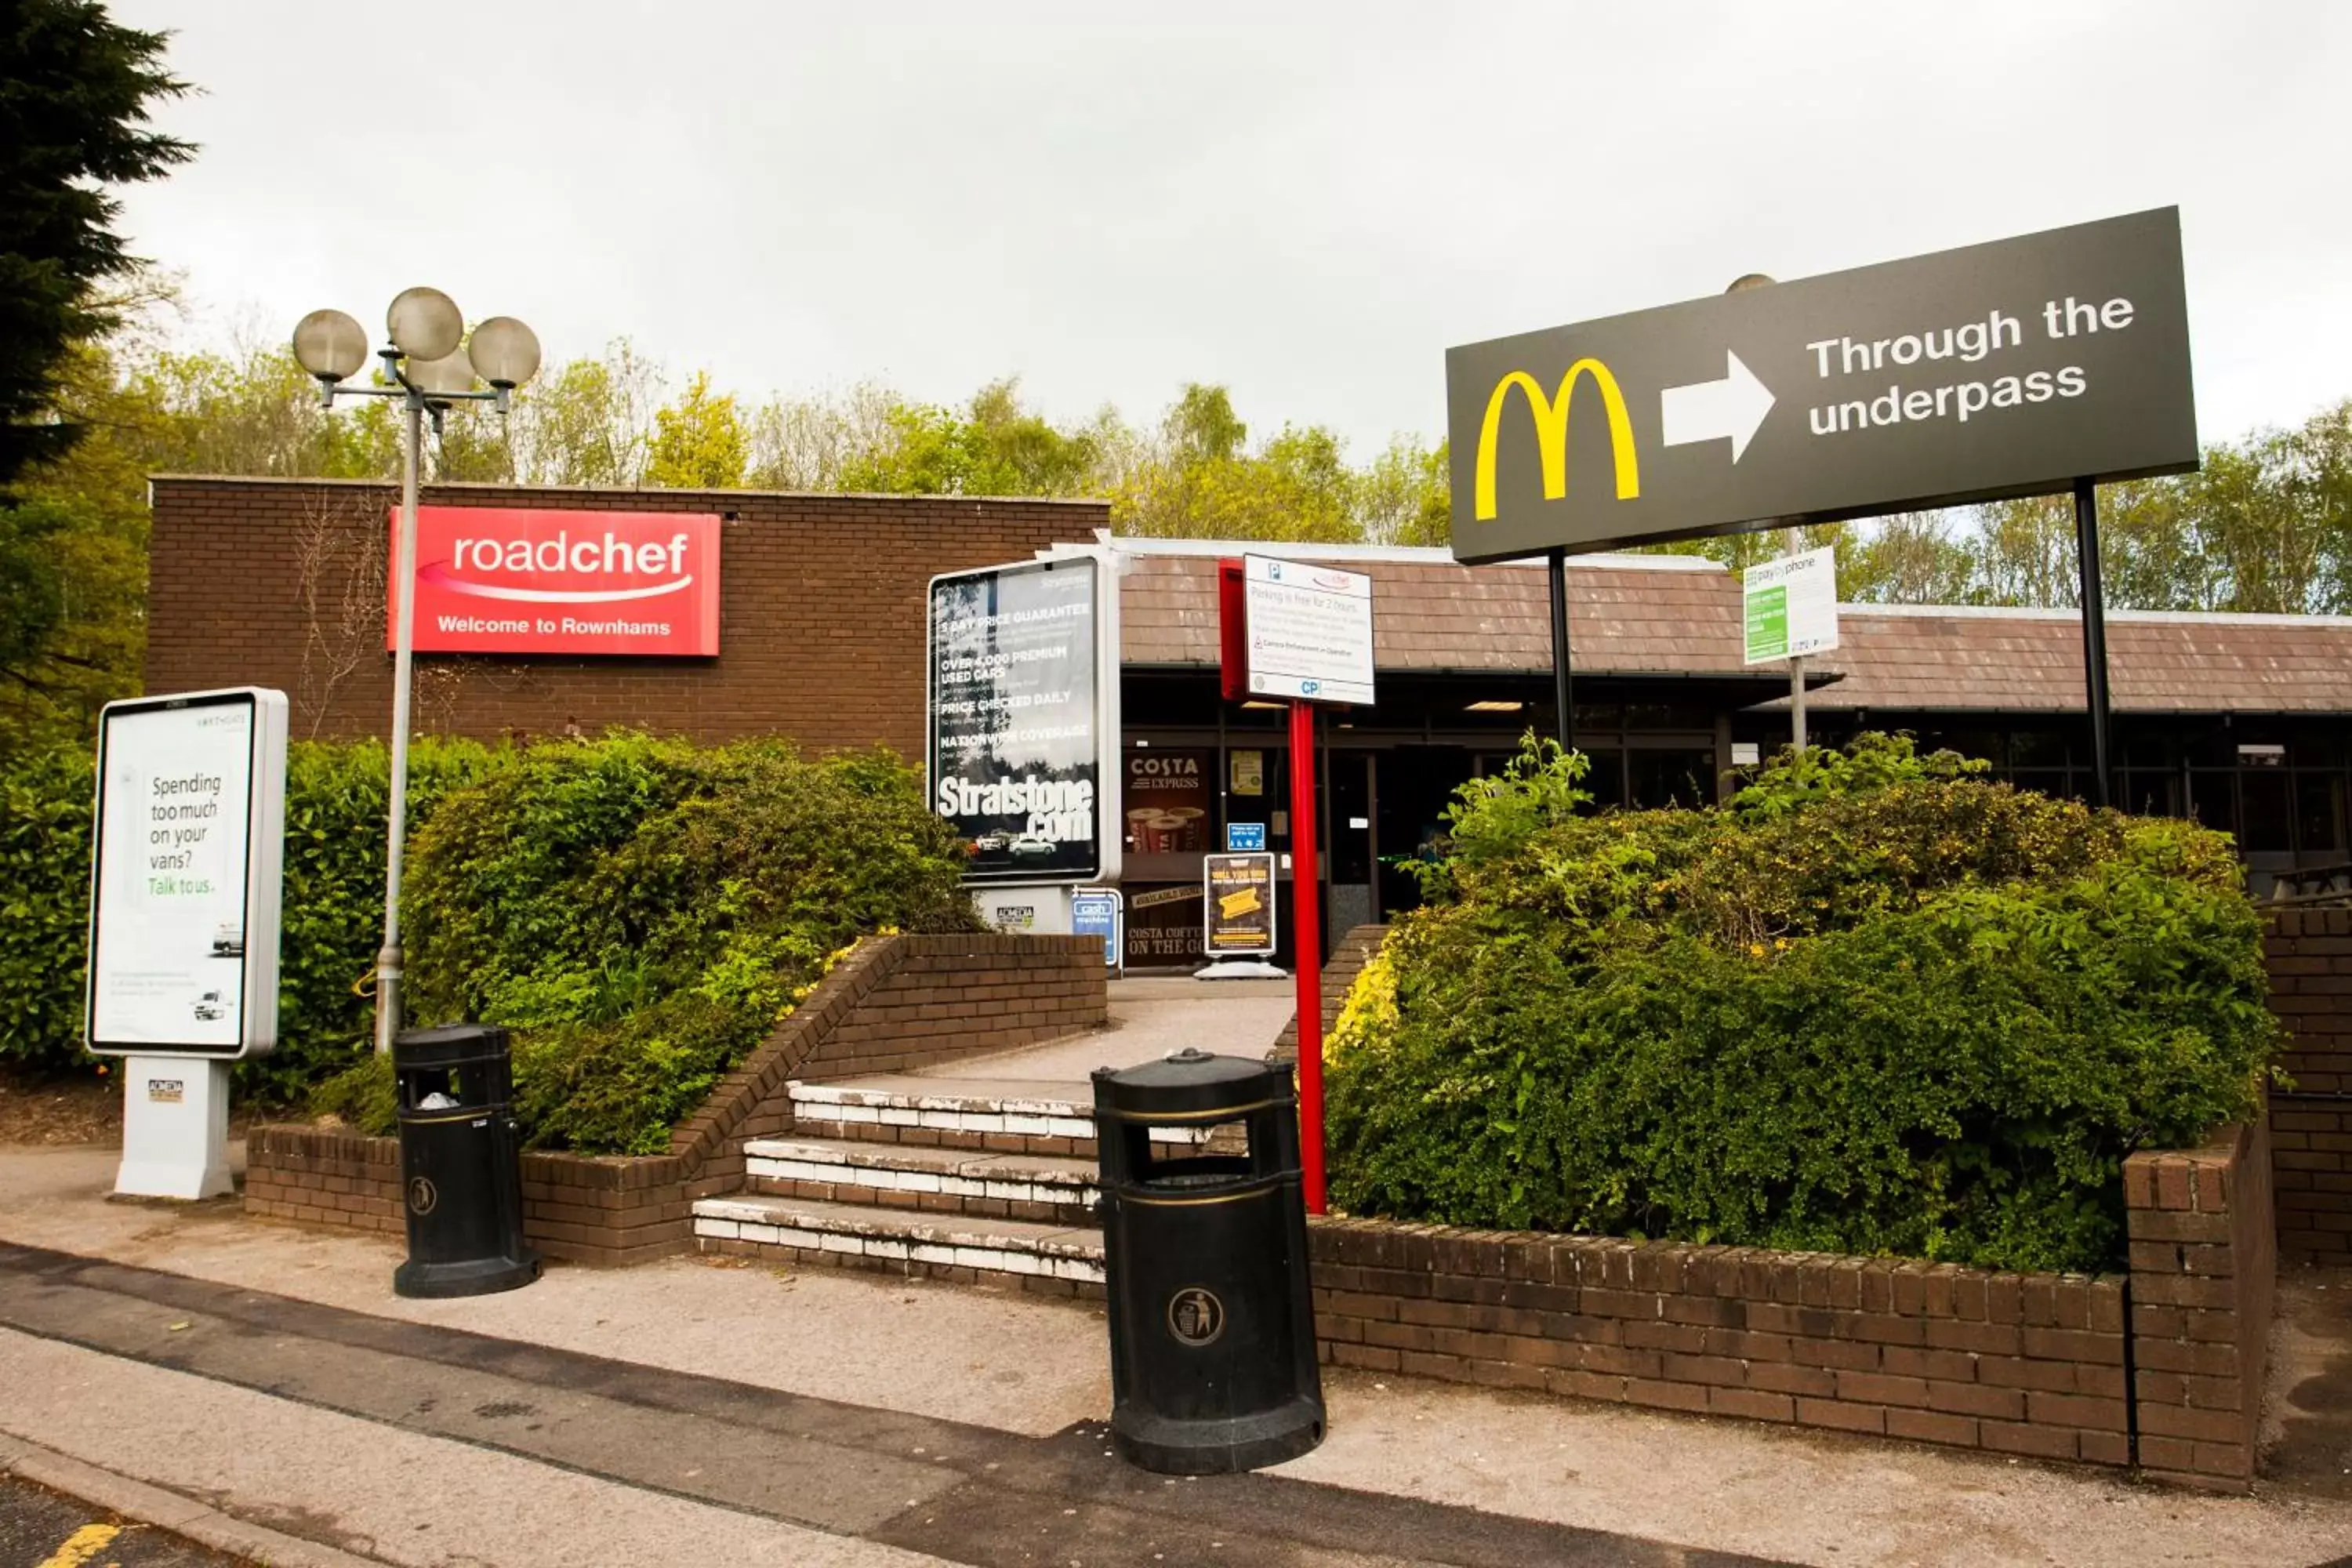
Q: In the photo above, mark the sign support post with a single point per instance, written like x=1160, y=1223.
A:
x=1796, y=665
x=1566, y=725
x=1306, y=921
x=2095, y=634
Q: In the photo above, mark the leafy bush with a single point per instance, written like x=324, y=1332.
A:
x=1878, y=1004
x=642, y=912
x=45, y=807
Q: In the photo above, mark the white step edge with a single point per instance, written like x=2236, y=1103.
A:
x=997, y=1246
x=788, y=1162
x=823, y=1102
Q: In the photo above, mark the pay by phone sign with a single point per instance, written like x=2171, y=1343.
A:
x=1791, y=607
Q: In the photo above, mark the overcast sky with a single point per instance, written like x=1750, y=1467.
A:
x=1307, y=203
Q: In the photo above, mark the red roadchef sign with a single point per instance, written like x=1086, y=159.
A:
x=492, y=579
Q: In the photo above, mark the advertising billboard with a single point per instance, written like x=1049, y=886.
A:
x=186, y=875
x=508, y=580
x=1237, y=891
x=1019, y=722
x=2011, y=368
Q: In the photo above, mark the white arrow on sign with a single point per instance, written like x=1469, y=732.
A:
x=1712, y=410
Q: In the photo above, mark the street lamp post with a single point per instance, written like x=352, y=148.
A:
x=431, y=364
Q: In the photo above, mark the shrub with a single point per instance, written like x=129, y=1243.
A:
x=1878, y=1004
x=45, y=809
x=642, y=912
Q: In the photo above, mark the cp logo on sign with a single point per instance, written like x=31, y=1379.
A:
x=422, y=1196
x=1195, y=1315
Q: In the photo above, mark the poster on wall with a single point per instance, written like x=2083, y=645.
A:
x=1168, y=804
x=1248, y=772
x=1237, y=895
x=1163, y=925
x=510, y=580
x=1016, y=729
x=186, y=875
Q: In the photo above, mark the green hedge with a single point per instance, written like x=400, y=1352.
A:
x=641, y=912
x=1878, y=1006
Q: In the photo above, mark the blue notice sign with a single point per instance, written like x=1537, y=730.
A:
x=1242, y=836
x=1094, y=911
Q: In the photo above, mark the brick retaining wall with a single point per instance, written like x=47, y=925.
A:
x=2203, y=1267
x=2016, y=1364
x=2309, y=954
x=993, y=993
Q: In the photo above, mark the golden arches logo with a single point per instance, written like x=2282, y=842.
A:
x=1551, y=433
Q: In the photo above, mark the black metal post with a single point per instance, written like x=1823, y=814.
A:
x=2094, y=635
x=1559, y=672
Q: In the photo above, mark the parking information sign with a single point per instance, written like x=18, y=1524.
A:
x=187, y=874
x=1310, y=631
x=2007, y=369
x=1791, y=605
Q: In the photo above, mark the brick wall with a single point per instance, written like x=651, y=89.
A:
x=2309, y=954
x=1347, y=960
x=280, y=582
x=943, y=1002
x=2203, y=1264
x=2015, y=1363
x=614, y=1210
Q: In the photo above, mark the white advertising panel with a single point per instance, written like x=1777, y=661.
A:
x=1310, y=631
x=187, y=874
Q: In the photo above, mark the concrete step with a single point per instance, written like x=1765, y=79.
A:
x=1068, y=1260
x=1014, y=1118
x=1040, y=1188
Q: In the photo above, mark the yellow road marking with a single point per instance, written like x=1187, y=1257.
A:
x=82, y=1545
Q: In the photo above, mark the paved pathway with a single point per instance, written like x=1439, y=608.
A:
x=996, y=1371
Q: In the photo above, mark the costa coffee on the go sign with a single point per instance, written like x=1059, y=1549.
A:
x=494, y=580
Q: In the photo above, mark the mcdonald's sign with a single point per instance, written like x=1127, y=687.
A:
x=1550, y=416
x=2007, y=369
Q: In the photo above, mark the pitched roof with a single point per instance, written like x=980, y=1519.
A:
x=1681, y=615
x=1429, y=615
x=1943, y=657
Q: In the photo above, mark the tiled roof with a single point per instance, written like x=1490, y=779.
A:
x=1928, y=657
x=1430, y=615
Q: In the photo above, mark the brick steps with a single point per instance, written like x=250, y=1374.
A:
x=1057, y=1258
x=954, y=1113
x=1039, y=1188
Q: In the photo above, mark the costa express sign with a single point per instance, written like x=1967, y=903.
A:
x=494, y=580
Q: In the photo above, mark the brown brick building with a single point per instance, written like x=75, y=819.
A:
x=2240, y=720
x=281, y=583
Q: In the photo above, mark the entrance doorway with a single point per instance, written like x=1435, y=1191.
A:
x=1412, y=787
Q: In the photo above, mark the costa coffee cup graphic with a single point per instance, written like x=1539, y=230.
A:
x=1187, y=833
x=1138, y=823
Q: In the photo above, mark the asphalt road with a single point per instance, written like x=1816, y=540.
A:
x=39, y=1529
x=946, y=1490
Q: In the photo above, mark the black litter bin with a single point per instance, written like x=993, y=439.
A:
x=461, y=1165
x=1212, y=1324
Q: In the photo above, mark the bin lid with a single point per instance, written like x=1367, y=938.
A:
x=448, y=1044
x=1192, y=1085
